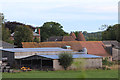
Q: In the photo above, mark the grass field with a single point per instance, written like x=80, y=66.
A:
x=64, y=74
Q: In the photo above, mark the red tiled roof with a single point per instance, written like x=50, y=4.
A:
x=93, y=47
x=75, y=45
x=80, y=37
x=68, y=38
x=73, y=35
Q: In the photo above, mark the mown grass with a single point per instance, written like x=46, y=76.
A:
x=64, y=74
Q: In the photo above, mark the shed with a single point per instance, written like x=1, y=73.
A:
x=51, y=61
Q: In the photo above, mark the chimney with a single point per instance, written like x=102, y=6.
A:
x=73, y=35
x=80, y=37
x=39, y=34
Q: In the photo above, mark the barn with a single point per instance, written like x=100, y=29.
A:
x=46, y=58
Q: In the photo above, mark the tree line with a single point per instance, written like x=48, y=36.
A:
x=112, y=33
x=24, y=33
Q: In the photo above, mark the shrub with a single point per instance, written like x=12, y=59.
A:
x=106, y=62
x=65, y=60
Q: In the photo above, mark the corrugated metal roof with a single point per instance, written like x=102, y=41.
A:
x=74, y=56
x=57, y=56
x=35, y=49
x=20, y=57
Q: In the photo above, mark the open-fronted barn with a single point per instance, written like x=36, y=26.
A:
x=47, y=58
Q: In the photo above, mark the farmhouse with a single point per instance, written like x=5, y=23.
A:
x=47, y=58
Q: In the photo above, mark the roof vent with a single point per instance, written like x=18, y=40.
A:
x=84, y=50
x=67, y=47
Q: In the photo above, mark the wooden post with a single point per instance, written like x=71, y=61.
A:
x=31, y=63
x=41, y=63
x=20, y=63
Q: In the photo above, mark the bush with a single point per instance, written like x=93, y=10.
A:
x=106, y=62
x=65, y=60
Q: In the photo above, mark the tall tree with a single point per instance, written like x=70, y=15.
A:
x=4, y=32
x=51, y=29
x=13, y=25
x=22, y=34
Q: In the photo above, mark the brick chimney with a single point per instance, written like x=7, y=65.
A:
x=73, y=35
x=80, y=37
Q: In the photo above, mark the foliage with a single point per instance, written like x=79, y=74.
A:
x=51, y=29
x=76, y=33
x=94, y=36
x=65, y=60
x=22, y=34
x=6, y=35
x=36, y=40
x=13, y=25
x=106, y=62
x=1, y=18
x=112, y=33
x=4, y=32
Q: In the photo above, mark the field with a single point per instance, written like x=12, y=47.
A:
x=64, y=74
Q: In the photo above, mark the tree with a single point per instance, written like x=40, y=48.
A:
x=13, y=25
x=6, y=35
x=4, y=32
x=51, y=29
x=118, y=32
x=112, y=33
x=65, y=60
x=22, y=34
x=76, y=33
x=36, y=40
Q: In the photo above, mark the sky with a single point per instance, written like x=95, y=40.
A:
x=73, y=15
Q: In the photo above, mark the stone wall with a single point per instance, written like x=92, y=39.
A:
x=115, y=53
x=80, y=64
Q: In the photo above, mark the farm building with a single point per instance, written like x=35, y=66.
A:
x=47, y=58
x=93, y=47
x=4, y=44
x=113, y=47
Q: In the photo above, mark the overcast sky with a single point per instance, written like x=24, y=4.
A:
x=73, y=15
